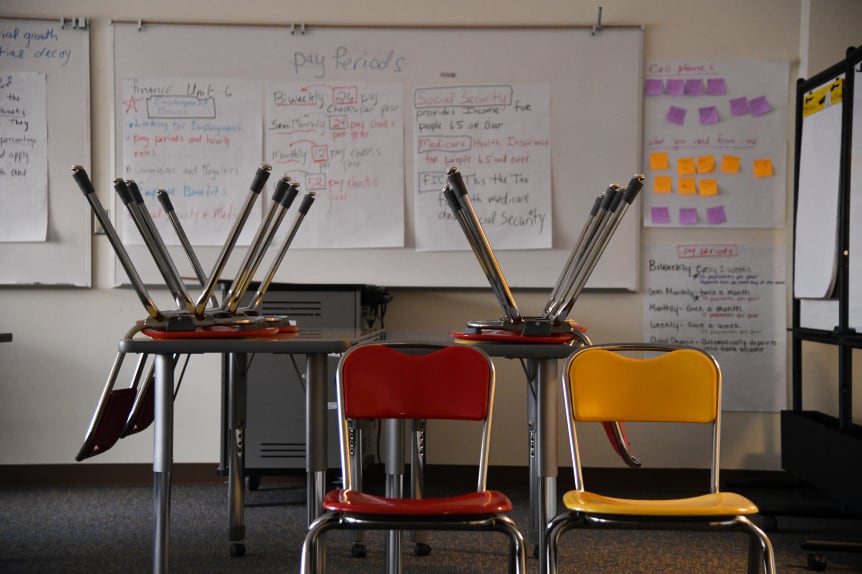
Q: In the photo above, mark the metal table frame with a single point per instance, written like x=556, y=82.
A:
x=316, y=345
x=543, y=395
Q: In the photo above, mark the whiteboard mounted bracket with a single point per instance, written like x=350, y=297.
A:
x=77, y=23
x=597, y=27
x=301, y=28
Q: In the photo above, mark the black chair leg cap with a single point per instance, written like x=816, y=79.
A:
x=237, y=549
x=817, y=562
x=358, y=550
x=422, y=549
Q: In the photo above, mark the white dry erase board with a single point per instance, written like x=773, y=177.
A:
x=59, y=51
x=595, y=85
x=839, y=170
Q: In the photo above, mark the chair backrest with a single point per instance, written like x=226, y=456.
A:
x=636, y=382
x=415, y=381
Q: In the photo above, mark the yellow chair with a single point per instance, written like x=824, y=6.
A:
x=667, y=384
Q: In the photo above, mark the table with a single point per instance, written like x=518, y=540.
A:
x=314, y=344
x=543, y=396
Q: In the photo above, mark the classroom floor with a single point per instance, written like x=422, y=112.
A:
x=106, y=530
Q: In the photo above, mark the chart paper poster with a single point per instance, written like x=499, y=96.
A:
x=715, y=143
x=728, y=299
x=23, y=157
x=343, y=141
x=498, y=136
x=200, y=141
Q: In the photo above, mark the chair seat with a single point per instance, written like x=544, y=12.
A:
x=707, y=505
x=474, y=503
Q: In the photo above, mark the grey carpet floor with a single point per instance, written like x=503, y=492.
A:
x=105, y=530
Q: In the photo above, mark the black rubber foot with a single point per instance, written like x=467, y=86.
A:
x=422, y=549
x=817, y=562
x=237, y=549
x=358, y=550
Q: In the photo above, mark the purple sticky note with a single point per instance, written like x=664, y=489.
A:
x=688, y=215
x=653, y=87
x=676, y=115
x=716, y=87
x=716, y=215
x=660, y=215
x=759, y=106
x=694, y=87
x=708, y=115
x=675, y=87
x=739, y=106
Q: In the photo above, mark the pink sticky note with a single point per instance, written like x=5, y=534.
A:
x=688, y=215
x=694, y=87
x=716, y=215
x=739, y=106
x=759, y=106
x=653, y=87
x=716, y=87
x=676, y=115
x=660, y=215
x=708, y=115
x=675, y=87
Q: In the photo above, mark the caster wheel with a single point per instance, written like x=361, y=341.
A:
x=422, y=549
x=237, y=549
x=358, y=550
x=816, y=562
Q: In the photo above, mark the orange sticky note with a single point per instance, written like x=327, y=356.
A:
x=763, y=168
x=730, y=164
x=658, y=160
x=685, y=166
x=662, y=184
x=705, y=164
x=708, y=187
x=687, y=186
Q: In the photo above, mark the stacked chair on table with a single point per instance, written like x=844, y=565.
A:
x=651, y=384
x=398, y=383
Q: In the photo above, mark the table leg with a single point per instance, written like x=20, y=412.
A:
x=316, y=433
x=316, y=441
x=394, y=463
x=548, y=392
x=237, y=407
x=163, y=427
x=532, y=416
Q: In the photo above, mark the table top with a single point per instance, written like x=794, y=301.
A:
x=308, y=341
x=336, y=340
x=511, y=350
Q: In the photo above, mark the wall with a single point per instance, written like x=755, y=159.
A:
x=65, y=339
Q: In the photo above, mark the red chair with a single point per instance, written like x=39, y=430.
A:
x=399, y=382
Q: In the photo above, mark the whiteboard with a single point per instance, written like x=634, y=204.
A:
x=595, y=84
x=854, y=184
x=817, y=198
x=61, y=51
